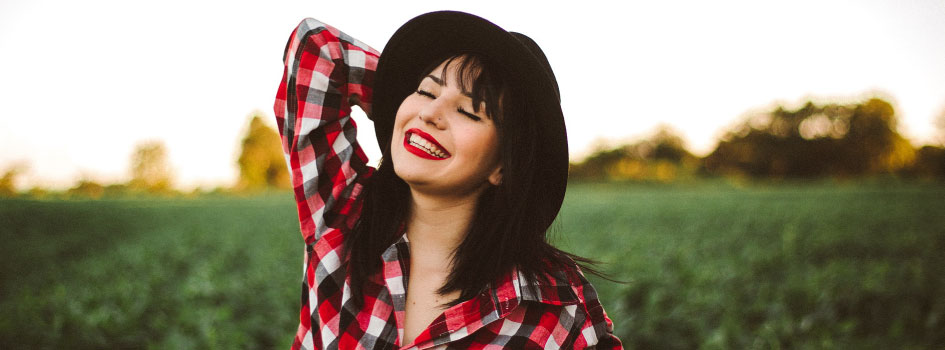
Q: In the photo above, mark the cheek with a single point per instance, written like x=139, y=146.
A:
x=400, y=119
x=485, y=144
x=494, y=151
x=402, y=112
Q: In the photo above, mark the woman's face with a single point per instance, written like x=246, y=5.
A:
x=441, y=144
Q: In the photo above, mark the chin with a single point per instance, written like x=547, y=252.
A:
x=407, y=171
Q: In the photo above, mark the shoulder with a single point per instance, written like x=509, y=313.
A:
x=566, y=295
x=560, y=281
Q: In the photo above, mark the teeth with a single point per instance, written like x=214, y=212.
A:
x=425, y=145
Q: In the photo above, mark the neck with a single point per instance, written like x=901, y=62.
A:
x=437, y=225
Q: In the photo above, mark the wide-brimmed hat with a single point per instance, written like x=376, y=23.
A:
x=436, y=36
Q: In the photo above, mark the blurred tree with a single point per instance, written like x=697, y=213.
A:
x=9, y=178
x=150, y=168
x=929, y=163
x=86, y=188
x=117, y=190
x=261, y=160
x=595, y=166
x=828, y=140
x=872, y=144
x=665, y=144
x=37, y=192
x=660, y=157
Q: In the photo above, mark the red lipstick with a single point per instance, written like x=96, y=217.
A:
x=434, y=152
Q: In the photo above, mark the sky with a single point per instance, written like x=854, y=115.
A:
x=81, y=83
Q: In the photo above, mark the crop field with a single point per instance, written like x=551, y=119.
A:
x=700, y=266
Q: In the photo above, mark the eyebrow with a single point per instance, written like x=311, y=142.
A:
x=441, y=82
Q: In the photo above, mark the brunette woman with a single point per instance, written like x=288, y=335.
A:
x=443, y=245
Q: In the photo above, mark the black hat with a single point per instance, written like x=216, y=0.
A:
x=438, y=35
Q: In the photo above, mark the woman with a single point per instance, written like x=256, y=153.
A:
x=442, y=246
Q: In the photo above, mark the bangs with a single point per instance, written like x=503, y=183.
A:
x=479, y=79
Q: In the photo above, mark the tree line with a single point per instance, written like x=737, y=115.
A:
x=813, y=141
x=261, y=167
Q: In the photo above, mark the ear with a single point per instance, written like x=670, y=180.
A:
x=495, y=178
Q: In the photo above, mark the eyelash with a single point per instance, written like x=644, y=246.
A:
x=460, y=110
x=425, y=94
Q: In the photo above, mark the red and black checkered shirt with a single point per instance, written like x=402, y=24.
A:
x=325, y=70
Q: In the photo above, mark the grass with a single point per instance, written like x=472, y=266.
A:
x=796, y=267
x=706, y=266
x=167, y=274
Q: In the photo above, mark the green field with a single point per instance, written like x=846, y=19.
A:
x=705, y=266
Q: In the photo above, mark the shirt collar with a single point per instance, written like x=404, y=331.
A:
x=555, y=289
x=495, y=302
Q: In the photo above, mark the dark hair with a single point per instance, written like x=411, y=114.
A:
x=506, y=232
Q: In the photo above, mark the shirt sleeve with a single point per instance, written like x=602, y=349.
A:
x=597, y=331
x=326, y=72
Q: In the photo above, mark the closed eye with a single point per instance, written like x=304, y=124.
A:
x=470, y=115
x=426, y=94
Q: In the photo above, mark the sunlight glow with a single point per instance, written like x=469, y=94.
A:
x=83, y=82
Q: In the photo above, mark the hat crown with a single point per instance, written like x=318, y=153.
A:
x=533, y=47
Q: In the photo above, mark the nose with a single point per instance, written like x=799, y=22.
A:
x=433, y=113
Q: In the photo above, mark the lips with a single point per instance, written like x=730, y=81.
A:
x=424, y=145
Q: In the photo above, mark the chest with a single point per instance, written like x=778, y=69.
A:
x=423, y=303
x=401, y=302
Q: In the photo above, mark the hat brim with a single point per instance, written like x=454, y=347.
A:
x=439, y=35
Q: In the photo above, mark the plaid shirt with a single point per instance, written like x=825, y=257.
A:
x=326, y=71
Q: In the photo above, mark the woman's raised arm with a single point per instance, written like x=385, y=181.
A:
x=326, y=72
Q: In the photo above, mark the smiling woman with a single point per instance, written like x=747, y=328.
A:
x=451, y=147
x=444, y=244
